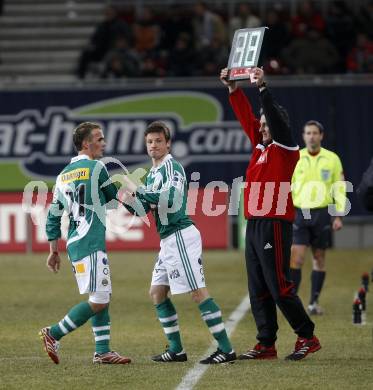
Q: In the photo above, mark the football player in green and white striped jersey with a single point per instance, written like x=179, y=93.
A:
x=83, y=189
x=179, y=267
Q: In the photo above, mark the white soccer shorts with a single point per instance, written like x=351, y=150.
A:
x=93, y=273
x=179, y=263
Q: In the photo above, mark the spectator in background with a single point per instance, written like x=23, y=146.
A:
x=244, y=19
x=276, y=37
x=311, y=54
x=360, y=58
x=340, y=29
x=306, y=18
x=207, y=25
x=103, y=40
x=121, y=61
x=182, y=57
x=365, y=19
x=147, y=32
x=147, y=41
x=153, y=64
x=213, y=57
x=176, y=40
x=176, y=21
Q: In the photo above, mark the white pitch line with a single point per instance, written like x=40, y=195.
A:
x=194, y=374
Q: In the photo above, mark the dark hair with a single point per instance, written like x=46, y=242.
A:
x=158, y=127
x=282, y=111
x=314, y=123
x=83, y=132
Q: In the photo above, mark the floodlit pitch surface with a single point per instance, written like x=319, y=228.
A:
x=32, y=297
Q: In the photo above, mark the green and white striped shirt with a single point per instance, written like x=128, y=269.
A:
x=165, y=192
x=83, y=189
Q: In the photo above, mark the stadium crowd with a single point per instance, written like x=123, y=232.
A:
x=195, y=40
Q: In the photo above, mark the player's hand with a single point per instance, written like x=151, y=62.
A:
x=53, y=262
x=127, y=198
x=337, y=224
x=224, y=79
x=258, y=76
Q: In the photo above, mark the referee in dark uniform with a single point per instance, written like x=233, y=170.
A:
x=270, y=212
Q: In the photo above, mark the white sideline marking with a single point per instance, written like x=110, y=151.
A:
x=194, y=374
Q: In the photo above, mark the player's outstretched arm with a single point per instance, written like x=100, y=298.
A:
x=134, y=205
x=129, y=185
x=242, y=108
x=276, y=116
x=231, y=85
x=170, y=193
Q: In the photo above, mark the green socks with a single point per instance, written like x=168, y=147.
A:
x=168, y=317
x=76, y=317
x=211, y=314
x=101, y=330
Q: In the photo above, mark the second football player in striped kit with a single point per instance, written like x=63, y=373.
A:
x=179, y=266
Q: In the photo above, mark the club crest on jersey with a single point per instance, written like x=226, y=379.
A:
x=325, y=174
x=263, y=158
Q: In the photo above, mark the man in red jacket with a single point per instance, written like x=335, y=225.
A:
x=269, y=212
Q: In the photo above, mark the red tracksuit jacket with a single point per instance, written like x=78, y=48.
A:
x=268, y=176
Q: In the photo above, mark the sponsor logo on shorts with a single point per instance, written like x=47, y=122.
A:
x=105, y=282
x=105, y=271
x=105, y=261
x=200, y=261
x=80, y=268
x=174, y=274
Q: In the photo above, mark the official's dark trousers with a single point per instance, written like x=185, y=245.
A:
x=268, y=244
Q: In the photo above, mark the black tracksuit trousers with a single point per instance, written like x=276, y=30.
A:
x=268, y=245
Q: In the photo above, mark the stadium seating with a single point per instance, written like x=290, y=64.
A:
x=43, y=38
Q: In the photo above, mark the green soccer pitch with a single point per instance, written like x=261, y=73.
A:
x=32, y=297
